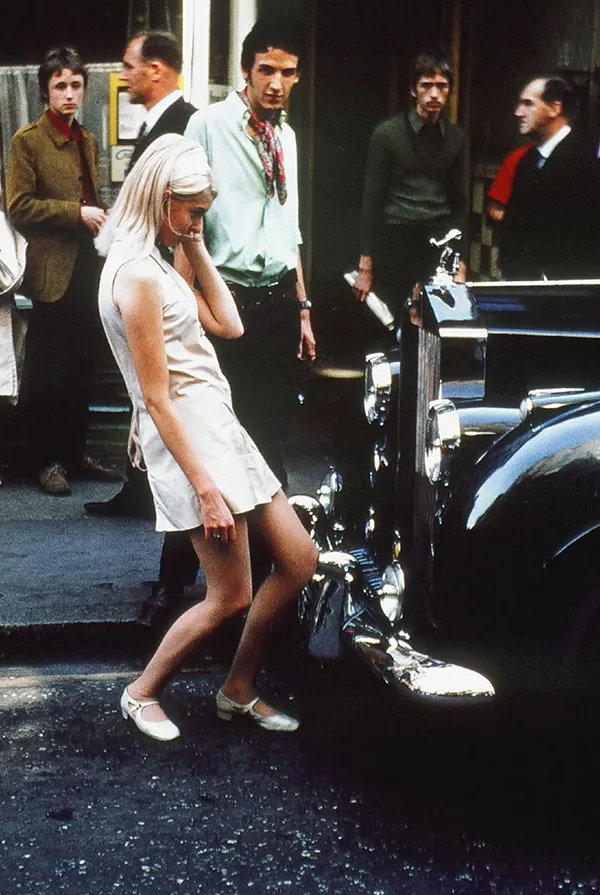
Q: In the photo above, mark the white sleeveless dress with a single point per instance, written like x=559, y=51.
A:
x=202, y=399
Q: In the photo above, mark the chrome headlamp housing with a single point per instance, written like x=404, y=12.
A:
x=442, y=438
x=378, y=387
x=391, y=596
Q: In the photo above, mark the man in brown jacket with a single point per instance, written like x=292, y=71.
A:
x=53, y=200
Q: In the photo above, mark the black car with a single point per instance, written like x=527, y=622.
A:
x=472, y=530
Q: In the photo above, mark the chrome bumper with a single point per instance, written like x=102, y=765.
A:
x=408, y=670
x=340, y=605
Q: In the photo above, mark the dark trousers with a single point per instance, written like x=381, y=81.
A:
x=402, y=257
x=178, y=562
x=262, y=370
x=63, y=341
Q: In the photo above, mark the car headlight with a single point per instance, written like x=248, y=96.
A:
x=443, y=436
x=378, y=387
x=391, y=597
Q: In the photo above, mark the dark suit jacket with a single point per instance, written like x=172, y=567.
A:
x=173, y=121
x=551, y=225
x=44, y=201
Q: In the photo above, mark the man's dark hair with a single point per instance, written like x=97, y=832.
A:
x=161, y=45
x=278, y=32
x=428, y=63
x=54, y=61
x=559, y=89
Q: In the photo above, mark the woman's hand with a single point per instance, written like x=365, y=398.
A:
x=218, y=520
x=217, y=310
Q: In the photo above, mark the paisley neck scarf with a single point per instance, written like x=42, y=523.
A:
x=270, y=151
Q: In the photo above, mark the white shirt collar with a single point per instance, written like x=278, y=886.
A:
x=160, y=108
x=547, y=148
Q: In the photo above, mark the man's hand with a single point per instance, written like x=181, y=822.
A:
x=92, y=218
x=461, y=276
x=364, y=280
x=307, y=349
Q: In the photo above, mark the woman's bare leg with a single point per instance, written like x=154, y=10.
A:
x=229, y=591
x=295, y=558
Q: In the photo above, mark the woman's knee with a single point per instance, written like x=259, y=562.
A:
x=301, y=567
x=225, y=604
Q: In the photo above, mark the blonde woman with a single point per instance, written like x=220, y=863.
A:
x=205, y=473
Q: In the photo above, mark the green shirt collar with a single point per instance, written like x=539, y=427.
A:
x=417, y=123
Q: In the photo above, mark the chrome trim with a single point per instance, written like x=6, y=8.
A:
x=428, y=389
x=393, y=587
x=323, y=603
x=378, y=387
x=323, y=607
x=312, y=515
x=502, y=284
x=554, y=398
x=393, y=658
x=330, y=487
x=563, y=334
x=408, y=670
x=443, y=437
x=488, y=420
x=370, y=524
x=380, y=458
x=455, y=233
x=463, y=332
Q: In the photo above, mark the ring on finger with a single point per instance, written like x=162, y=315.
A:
x=216, y=535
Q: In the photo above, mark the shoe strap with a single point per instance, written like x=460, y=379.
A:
x=138, y=705
x=241, y=705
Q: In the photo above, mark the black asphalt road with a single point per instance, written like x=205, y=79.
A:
x=370, y=796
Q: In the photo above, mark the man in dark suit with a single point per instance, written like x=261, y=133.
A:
x=151, y=67
x=550, y=227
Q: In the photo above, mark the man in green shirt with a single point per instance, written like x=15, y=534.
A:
x=414, y=188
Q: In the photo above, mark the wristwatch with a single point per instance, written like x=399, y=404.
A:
x=305, y=305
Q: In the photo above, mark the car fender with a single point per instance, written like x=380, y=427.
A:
x=535, y=491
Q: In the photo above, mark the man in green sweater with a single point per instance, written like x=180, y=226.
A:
x=414, y=188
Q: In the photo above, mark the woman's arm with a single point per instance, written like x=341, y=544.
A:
x=217, y=310
x=136, y=297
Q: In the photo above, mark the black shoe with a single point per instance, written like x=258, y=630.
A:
x=92, y=470
x=120, y=506
x=160, y=606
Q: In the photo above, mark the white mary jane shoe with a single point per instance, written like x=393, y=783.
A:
x=158, y=730
x=227, y=708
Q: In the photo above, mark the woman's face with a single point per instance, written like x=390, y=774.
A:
x=183, y=218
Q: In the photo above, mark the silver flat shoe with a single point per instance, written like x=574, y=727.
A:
x=227, y=708
x=158, y=730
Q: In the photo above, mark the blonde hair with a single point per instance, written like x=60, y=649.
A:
x=171, y=162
